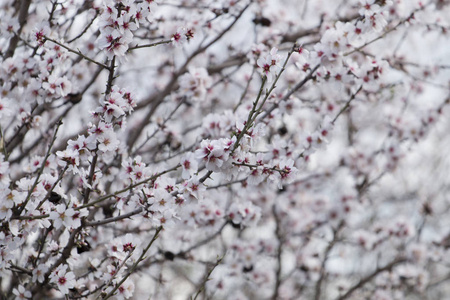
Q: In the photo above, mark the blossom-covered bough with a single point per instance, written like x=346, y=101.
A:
x=224, y=149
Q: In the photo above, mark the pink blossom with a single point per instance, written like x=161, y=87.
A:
x=189, y=165
x=64, y=279
x=269, y=64
x=22, y=293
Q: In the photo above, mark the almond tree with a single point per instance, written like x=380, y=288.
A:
x=232, y=149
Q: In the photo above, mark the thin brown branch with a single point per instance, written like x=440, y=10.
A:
x=371, y=276
x=202, y=242
x=76, y=52
x=23, y=16
x=202, y=286
x=40, y=171
x=292, y=91
x=347, y=105
x=131, y=186
x=318, y=287
x=114, y=219
x=149, y=45
x=279, y=252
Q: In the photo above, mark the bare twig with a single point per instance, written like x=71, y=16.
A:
x=149, y=45
x=292, y=91
x=202, y=242
x=202, y=286
x=40, y=171
x=318, y=287
x=279, y=252
x=85, y=28
x=371, y=276
x=23, y=15
x=347, y=105
x=114, y=219
x=76, y=52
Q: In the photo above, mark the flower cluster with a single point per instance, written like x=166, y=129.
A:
x=215, y=153
x=269, y=64
x=181, y=36
x=118, y=21
x=194, y=84
x=67, y=216
x=243, y=267
x=118, y=103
